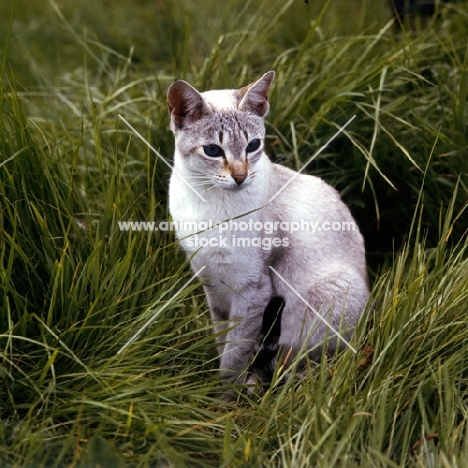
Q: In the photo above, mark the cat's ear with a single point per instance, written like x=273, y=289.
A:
x=254, y=96
x=185, y=104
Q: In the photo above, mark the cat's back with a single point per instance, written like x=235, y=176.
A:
x=323, y=223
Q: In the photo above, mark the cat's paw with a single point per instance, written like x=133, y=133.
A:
x=255, y=385
x=252, y=385
x=229, y=396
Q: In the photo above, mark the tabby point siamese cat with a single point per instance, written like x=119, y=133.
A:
x=266, y=281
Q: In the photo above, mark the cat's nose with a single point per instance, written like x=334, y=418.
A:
x=239, y=178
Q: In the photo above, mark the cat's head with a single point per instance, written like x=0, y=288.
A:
x=220, y=134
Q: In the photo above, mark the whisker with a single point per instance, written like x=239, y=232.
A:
x=203, y=181
x=197, y=177
x=211, y=188
x=200, y=179
x=199, y=171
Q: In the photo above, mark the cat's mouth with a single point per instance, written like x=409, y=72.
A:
x=236, y=187
x=231, y=185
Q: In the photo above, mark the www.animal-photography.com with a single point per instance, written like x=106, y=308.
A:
x=233, y=234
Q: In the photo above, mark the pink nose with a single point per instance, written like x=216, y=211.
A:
x=239, y=178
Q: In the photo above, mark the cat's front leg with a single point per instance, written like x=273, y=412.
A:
x=242, y=338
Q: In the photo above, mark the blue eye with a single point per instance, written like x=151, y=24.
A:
x=253, y=146
x=213, y=151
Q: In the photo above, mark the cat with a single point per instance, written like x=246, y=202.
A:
x=253, y=277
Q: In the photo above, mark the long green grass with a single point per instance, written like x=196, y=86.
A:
x=74, y=289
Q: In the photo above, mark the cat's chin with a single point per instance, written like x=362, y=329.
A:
x=235, y=188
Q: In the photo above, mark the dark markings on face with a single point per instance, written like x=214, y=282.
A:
x=230, y=129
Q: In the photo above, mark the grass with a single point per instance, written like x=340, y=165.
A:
x=74, y=289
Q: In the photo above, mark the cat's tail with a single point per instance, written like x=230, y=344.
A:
x=264, y=363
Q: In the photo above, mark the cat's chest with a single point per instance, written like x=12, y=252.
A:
x=215, y=229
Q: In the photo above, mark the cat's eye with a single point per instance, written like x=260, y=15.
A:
x=253, y=146
x=213, y=151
